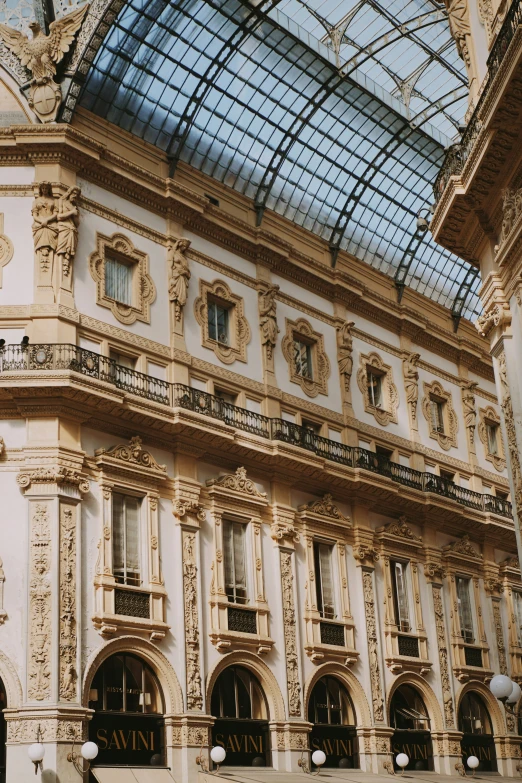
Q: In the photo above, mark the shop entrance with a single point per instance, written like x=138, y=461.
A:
x=411, y=722
x=127, y=724
x=477, y=732
x=241, y=728
x=331, y=711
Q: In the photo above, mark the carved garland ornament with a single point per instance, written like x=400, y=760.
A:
x=133, y=454
x=120, y=248
x=39, y=674
x=194, y=694
x=325, y=508
x=371, y=626
x=237, y=482
x=303, y=330
x=387, y=411
x=292, y=666
x=463, y=546
x=238, y=329
x=448, y=438
x=490, y=416
x=68, y=636
x=447, y=696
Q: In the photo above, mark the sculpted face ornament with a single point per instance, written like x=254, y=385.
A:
x=41, y=55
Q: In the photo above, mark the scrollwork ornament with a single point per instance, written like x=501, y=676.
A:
x=192, y=647
x=289, y=624
x=373, y=655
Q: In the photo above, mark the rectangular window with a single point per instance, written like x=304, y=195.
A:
x=374, y=382
x=225, y=396
x=123, y=360
x=218, y=322
x=400, y=595
x=235, y=562
x=517, y=605
x=303, y=358
x=324, y=580
x=118, y=281
x=492, y=433
x=465, y=613
x=437, y=415
x=126, y=538
x=313, y=426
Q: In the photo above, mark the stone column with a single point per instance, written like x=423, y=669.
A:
x=52, y=707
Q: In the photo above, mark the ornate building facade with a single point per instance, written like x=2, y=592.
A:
x=249, y=499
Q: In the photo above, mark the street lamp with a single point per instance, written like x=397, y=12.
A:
x=88, y=752
x=217, y=754
x=36, y=752
x=318, y=759
x=402, y=761
x=506, y=691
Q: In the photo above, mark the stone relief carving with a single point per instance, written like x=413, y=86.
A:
x=268, y=319
x=41, y=55
x=325, y=508
x=233, y=346
x=498, y=315
x=179, y=274
x=33, y=729
x=511, y=211
x=499, y=633
x=6, y=248
x=448, y=437
x=143, y=290
x=237, y=482
x=490, y=416
x=182, y=507
x=68, y=640
x=438, y=608
x=280, y=531
x=45, y=229
x=509, y=421
x=3, y=613
x=317, y=381
x=292, y=666
x=67, y=222
x=411, y=382
x=39, y=662
x=386, y=412
x=463, y=546
x=345, y=353
x=58, y=475
x=133, y=454
x=190, y=590
x=460, y=27
x=373, y=654
x=469, y=409
x=401, y=529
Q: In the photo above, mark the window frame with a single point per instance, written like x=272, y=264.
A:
x=130, y=266
x=239, y=334
x=124, y=579
x=467, y=639
x=214, y=302
x=319, y=588
x=386, y=412
x=405, y=566
x=234, y=525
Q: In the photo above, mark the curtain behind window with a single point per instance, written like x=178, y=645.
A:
x=118, y=281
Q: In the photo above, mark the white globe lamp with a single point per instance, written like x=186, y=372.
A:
x=36, y=752
x=402, y=761
x=318, y=758
x=501, y=687
x=89, y=750
x=515, y=694
x=472, y=762
x=218, y=754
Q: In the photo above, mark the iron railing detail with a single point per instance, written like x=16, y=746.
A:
x=458, y=154
x=132, y=604
x=242, y=620
x=409, y=646
x=49, y=357
x=473, y=656
x=332, y=633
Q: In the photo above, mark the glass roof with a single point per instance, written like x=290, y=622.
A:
x=296, y=109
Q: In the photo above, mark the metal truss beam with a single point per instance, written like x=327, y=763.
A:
x=404, y=267
x=253, y=19
x=459, y=303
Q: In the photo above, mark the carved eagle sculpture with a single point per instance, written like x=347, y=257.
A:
x=41, y=54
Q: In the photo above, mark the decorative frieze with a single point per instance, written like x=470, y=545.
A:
x=60, y=476
x=192, y=651
x=40, y=620
x=499, y=634
x=237, y=482
x=289, y=622
x=68, y=612
x=373, y=646
x=442, y=645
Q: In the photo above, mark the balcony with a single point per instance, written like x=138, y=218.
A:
x=40, y=357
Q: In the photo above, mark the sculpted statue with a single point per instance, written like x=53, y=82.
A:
x=268, y=320
x=41, y=55
x=459, y=26
x=468, y=403
x=411, y=381
x=68, y=219
x=345, y=352
x=179, y=275
x=45, y=228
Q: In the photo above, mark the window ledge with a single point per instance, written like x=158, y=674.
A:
x=322, y=653
x=226, y=641
x=110, y=624
x=399, y=663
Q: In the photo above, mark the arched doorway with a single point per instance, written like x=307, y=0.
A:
x=412, y=735
x=127, y=724
x=331, y=711
x=3, y=731
x=477, y=732
x=239, y=706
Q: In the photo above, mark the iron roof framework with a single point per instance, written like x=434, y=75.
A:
x=248, y=96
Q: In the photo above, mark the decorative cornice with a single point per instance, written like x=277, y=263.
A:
x=237, y=482
x=399, y=529
x=324, y=508
x=133, y=456
x=462, y=546
x=61, y=476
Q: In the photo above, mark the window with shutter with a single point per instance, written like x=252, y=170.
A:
x=235, y=562
x=126, y=538
x=437, y=415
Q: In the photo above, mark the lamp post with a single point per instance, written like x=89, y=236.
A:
x=506, y=691
x=36, y=753
x=318, y=759
x=402, y=761
x=217, y=754
x=82, y=760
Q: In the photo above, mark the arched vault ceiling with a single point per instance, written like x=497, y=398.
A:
x=332, y=113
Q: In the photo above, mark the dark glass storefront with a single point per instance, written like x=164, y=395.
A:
x=412, y=734
x=241, y=728
x=477, y=732
x=330, y=709
x=127, y=724
x=3, y=731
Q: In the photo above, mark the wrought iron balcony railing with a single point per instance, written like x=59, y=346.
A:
x=16, y=358
x=457, y=154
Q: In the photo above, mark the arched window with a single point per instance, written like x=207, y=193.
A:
x=473, y=715
x=408, y=711
x=237, y=694
x=330, y=704
x=125, y=683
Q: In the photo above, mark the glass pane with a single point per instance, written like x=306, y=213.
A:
x=118, y=279
x=401, y=596
x=132, y=543
x=492, y=438
x=222, y=324
x=244, y=707
x=212, y=325
x=113, y=673
x=133, y=684
x=517, y=604
x=465, y=614
x=152, y=697
x=374, y=388
x=303, y=359
x=326, y=580
x=118, y=536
